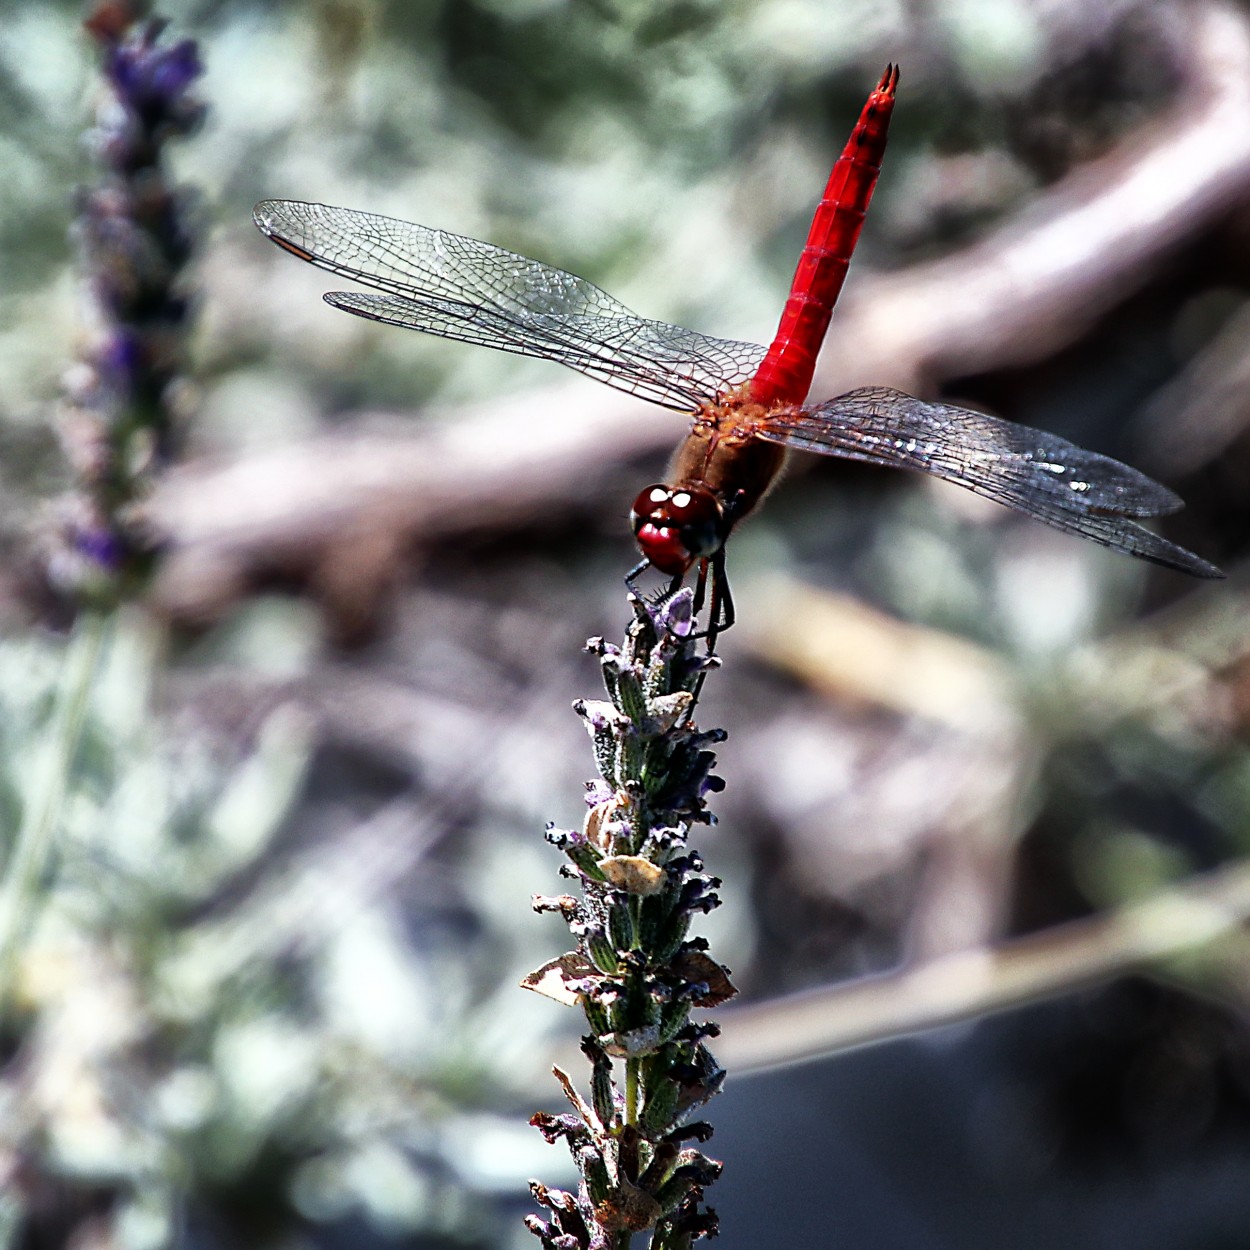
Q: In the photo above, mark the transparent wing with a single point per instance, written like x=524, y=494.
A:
x=460, y=288
x=1037, y=473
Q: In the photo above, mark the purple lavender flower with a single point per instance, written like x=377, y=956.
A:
x=121, y=418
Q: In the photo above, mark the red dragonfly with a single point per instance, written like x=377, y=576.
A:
x=747, y=401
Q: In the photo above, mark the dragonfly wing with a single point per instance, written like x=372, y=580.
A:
x=1034, y=472
x=460, y=288
x=673, y=367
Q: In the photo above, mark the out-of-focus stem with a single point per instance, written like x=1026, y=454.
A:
x=50, y=784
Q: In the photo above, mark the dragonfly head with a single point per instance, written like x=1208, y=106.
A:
x=675, y=526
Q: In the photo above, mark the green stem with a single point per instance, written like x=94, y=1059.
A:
x=45, y=796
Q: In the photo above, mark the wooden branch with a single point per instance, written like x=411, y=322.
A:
x=340, y=509
x=1035, y=285
x=823, y=1022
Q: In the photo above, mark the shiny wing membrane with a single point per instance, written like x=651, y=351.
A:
x=460, y=288
x=1037, y=473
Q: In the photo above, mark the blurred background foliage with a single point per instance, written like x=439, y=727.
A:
x=267, y=997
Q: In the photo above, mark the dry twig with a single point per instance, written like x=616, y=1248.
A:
x=1176, y=922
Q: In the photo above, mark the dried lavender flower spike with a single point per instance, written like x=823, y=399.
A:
x=635, y=972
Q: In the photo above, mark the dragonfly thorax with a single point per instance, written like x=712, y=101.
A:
x=675, y=526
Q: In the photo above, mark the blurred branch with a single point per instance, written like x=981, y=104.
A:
x=1035, y=285
x=1165, y=673
x=1170, y=664
x=821, y=1022
x=857, y=655
x=369, y=494
x=1203, y=411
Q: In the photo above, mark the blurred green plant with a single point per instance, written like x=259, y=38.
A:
x=194, y=1027
x=121, y=413
x=288, y=1047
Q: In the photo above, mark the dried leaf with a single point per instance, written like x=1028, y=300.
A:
x=597, y=824
x=628, y=1209
x=695, y=966
x=580, y=1105
x=557, y=978
x=668, y=709
x=634, y=874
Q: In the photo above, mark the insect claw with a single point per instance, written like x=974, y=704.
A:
x=635, y=573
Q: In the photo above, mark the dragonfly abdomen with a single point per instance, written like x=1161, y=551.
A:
x=785, y=375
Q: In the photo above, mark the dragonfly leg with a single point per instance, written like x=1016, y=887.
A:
x=721, y=611
x=635, y=573
x=700, y=589
x=655, y=597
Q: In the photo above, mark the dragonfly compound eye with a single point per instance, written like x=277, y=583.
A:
x=674, y=528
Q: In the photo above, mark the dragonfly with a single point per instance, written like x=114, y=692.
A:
x=748, y=403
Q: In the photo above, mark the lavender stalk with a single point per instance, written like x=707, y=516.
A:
x=121, y=414
x=636, y=972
